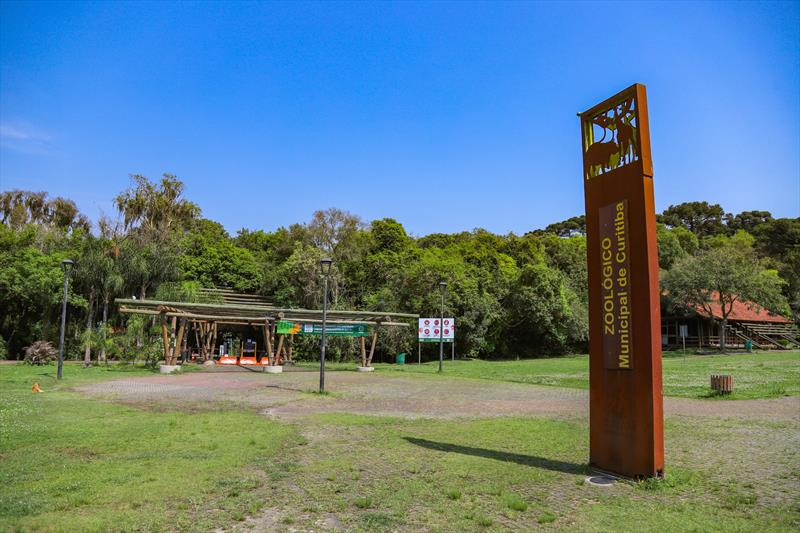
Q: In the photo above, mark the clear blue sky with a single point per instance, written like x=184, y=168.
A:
x=445, y=116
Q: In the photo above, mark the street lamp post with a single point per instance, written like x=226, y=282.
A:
x=66, y=266
x=442, y=289
x=325, y=268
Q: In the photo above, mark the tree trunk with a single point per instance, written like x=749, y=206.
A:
x=722, y=334
x=87, y=351
x=102, y=355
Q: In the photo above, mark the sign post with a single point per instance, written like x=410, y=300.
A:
x=625, y=400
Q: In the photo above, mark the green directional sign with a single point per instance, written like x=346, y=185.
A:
x=332, y=330
x=287, y=328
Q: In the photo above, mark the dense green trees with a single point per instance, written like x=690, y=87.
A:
x=727, y=271
x=512, y=295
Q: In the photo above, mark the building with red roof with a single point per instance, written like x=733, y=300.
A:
x=747, y=321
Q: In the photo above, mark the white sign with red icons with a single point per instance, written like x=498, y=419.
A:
x=430, y=329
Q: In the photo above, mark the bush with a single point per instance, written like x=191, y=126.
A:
x=40, y=353
x=3, y=349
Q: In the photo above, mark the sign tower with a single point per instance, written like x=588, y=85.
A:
x=626, y=435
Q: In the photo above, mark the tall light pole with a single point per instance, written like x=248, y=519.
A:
x=442, y=289
x=325, y=268
x=66, y=266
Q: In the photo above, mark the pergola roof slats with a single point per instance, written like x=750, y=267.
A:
x=259, y=312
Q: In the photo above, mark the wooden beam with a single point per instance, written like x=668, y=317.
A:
x=372, y=345
x=232, y=307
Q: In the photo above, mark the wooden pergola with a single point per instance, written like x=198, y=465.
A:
x=230, y=308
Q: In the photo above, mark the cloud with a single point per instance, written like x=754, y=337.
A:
x=24, y=138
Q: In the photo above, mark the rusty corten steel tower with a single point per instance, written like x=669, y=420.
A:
x=626, y=404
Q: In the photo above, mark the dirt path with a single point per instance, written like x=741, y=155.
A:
x=289, y=395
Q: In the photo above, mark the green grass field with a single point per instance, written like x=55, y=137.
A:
x=761, y=375
x=81, y=465
x=71, y=463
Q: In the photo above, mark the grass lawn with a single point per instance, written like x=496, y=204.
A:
x=68, y=463
x=513, y=474
x=757, y=375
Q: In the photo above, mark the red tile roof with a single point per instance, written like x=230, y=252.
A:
x=743, y=312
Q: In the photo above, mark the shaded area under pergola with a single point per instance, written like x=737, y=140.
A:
x=234, y=309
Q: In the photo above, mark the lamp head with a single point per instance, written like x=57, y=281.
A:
x=325, y=265
x=67, y=265
x=442, y=286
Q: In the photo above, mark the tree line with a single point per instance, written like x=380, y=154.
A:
x=513, y=295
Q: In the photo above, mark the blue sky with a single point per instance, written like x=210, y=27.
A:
x=445, y=116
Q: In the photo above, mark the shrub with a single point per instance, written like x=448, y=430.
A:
x=363, y=502
x=514, y=502
x=3, y=349
x=484, y=521
x=40, y=353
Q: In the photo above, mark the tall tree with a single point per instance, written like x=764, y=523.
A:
x=331, y=230
x=156, y=209
x=723, y=275
x=155, y=215
x=701, y=218
x=748, y=220
x=568, y=228
x=778, y=242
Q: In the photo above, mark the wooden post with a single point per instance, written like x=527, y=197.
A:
x=280, y=349
x=363, y=350
x=291, y=343
x=372, y=344
x=207, y=345
x=195, y=326
x=165, y=337
x=268, y=340
x=213, y=338
x=173, y=342
x=176, y=351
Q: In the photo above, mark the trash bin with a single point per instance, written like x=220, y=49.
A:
x=400, y=359
x=748, y=345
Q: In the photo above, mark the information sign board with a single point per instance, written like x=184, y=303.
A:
x=429, y=329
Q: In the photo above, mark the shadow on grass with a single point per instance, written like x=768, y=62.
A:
x=525, y=460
